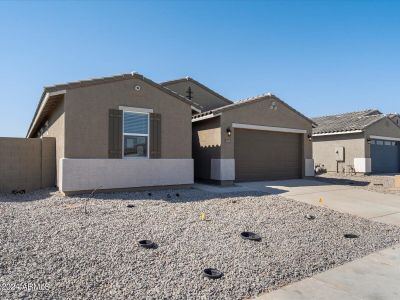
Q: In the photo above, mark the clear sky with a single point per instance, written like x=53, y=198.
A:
x=321, y=57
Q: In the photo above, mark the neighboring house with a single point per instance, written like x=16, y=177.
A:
x=366, y=141
x=395, y=118
x=259, y=138
x=117, y=132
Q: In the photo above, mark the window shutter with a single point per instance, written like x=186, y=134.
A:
x=115, y=133
x=155, y=135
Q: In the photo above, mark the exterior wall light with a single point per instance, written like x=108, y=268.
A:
x=368, y=140
x=309, y=136
x=228, y=131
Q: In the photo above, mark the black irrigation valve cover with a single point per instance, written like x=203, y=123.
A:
x=309, y=217
x=147, y=244
x=350, y=236
x=212, y=273
x=246, y=235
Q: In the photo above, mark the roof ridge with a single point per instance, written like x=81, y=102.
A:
x=188, y=78
x=254, y=97
x=347, y=113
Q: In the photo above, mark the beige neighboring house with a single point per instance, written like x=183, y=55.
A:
x=259, y=138
x=364, y=141
x=395, y=117
x=117, y=132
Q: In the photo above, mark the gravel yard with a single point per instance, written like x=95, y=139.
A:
x=49, y=242
x=376, y=183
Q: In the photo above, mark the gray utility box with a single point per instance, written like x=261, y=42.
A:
x=339, y=153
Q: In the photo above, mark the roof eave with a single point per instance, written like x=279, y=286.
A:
x=42, y=104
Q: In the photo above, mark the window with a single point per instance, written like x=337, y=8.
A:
x=387, y=143
x=136, y=134
x=380, y=143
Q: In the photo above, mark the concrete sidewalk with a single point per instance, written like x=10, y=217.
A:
x=376, y=276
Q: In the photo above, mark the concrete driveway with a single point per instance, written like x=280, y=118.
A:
x=375, y=276
x=344, y=198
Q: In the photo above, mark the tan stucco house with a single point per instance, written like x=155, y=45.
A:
x=117, y=132
x=258, y=138
x=364, y=142
x=126, y=131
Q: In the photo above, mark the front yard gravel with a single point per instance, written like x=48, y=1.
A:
x=51, y=249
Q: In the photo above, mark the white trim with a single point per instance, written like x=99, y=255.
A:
x=136, y=109
x=195, y=109
x=89, y=174
x=385, y=138
x=44, y=102
x=268, y=128
x=309, y=167
x=362, y=165
x=205, y=117
x=136, y=134
x=222, y=169
x=337, y=133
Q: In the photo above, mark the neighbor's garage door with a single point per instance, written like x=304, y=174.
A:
x=385, y=156
x=266, y=155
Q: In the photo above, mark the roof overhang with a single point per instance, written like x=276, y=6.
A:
x=47, y=103
x=268, y=128
x=385, y=138
x=337, y=133
x=204, y=117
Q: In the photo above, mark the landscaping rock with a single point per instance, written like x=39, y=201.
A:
x=47, y=240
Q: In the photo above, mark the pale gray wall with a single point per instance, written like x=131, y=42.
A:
x=79, y=175
x=324, y=150
x=27, y=164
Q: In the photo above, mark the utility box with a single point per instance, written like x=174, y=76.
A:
x=339, y=153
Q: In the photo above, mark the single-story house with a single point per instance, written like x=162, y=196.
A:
x=259, y=138
x=364, y=142
x=117, y=132
x=126, y=131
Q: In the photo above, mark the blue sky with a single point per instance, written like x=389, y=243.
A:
x=321, y=57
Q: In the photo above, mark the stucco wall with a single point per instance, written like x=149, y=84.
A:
x=105, y=174
x=384, y=127
x=26, y=164
x=56, y=129
x=86, y=118
x=206, y=146
x=200, y=95
x=324, y=150
x=259, y=113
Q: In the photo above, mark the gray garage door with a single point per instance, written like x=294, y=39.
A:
x=385, y=156
x=265, y=155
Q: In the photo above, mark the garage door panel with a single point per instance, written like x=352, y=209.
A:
x=261, y=155
x=385, y=156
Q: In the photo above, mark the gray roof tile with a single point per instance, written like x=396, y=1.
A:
x=351, y=121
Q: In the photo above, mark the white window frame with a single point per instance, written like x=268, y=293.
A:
x=144, y=111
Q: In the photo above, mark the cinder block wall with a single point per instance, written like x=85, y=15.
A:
x=27, y=164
